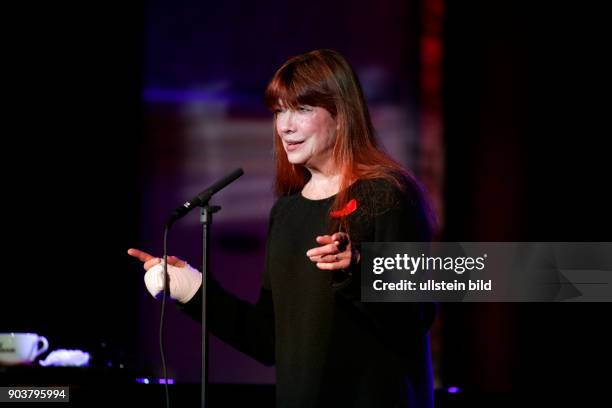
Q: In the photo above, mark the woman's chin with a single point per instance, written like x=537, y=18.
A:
x=295, y=159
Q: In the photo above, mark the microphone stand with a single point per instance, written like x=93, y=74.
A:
x=206, y=217
x=201, y=200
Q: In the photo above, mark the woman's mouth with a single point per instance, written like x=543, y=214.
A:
x=291, y=146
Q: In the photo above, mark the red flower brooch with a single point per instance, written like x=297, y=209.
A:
x=349, y=208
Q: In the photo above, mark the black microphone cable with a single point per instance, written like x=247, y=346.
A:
x=198, y=200
x=166, y=291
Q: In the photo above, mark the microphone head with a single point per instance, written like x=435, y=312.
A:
x=203, y=197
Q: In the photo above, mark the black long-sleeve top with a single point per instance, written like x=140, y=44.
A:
x=328, y=346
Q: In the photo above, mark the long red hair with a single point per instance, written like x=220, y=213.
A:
x=324, y=78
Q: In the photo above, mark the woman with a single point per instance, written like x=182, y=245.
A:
x=336, y=189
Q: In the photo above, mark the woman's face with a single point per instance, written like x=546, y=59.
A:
x=308, y=134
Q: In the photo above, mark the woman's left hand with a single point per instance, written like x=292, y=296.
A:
x=335, y=252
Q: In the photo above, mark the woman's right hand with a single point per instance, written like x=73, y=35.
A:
x=184, y=280
x=149, y=260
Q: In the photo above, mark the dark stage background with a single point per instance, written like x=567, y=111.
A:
x=116, y=113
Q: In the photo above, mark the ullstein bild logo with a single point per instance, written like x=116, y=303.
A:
x=432, y=285
x=486, y=271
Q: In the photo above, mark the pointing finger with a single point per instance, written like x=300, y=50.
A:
x=140, y=255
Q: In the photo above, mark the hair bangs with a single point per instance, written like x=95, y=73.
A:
x=293, y=88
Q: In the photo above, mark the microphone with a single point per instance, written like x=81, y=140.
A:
x=203, y=197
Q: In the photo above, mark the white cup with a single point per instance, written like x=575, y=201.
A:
x=21, y=348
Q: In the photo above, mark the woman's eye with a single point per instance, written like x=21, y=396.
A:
x=305, y=109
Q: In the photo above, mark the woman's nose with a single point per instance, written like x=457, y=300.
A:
x=286, y=123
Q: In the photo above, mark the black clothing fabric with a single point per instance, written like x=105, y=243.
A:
x=328, y=347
